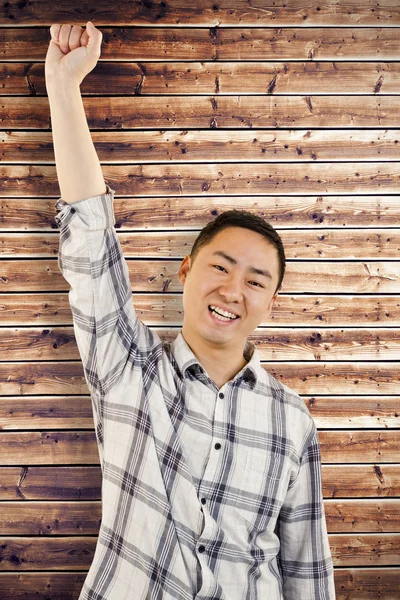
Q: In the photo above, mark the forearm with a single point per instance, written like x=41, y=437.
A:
x=78, y=167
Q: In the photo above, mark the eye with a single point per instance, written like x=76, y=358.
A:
x=219, y=267
x=256, y=282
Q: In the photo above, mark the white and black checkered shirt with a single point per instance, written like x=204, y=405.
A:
x=207, y=493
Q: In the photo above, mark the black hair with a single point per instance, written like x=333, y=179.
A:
x=246, y=220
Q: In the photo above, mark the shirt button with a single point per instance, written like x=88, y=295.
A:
x=221, y=395
x=72, y=210
x=217, y=446
x=203, y=500
x=201, y=548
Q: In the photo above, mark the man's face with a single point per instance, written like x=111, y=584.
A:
x=224, y=275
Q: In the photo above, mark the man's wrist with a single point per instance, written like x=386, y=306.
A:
x=61, y=87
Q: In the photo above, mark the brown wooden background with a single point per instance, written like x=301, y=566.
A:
x=290, y=112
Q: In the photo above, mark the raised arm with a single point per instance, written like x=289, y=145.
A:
x=73, y=52
x=108, y=333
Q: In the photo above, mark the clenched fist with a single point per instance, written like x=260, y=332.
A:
x=73, y=52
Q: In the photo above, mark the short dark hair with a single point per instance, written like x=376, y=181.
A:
x=246, y=220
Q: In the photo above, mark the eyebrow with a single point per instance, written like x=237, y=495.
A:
x=233, y=261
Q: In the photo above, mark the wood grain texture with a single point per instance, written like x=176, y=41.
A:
x=346, y=244
x=192, y=213
x=211, y=112
x=365, y=549
x=283, y=344
x=167, y=309
x=215, y=146
x=351, y=584
x=71, y=412
x=362, y=516
x=50, y=483
x=285, y=109
x=367, y=583
x=305, y=377
x=219, y=43
x=79, y=447
x=66, y=552
x=162, y=276
x=197, y=78
x=84, y=517
x=361, y=481
x=226, y=12
x=84, y=482
x=227, y=178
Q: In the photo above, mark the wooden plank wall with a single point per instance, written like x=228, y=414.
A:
x=290, y=112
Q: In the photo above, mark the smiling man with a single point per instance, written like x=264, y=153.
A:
x=229, y=289
x=211, y=467
x=211, y=485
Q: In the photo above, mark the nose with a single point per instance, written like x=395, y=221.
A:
x=231, y=290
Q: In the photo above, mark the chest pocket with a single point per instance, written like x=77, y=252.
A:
x=262, y=492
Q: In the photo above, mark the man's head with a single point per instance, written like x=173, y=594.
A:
x=237, y=264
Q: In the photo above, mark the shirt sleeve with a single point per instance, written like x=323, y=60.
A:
x=107, y=330
x=305, y=558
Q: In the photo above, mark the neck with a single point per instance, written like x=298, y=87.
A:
x=221, y=362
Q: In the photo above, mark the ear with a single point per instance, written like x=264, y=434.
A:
x=184, y=268
x=272, y=302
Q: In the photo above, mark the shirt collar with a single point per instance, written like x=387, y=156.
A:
x=188, y=363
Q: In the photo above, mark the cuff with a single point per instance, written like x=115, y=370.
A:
x=96, y=212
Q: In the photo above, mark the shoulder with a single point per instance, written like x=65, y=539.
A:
x=299, y=421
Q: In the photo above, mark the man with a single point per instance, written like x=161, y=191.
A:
x=211, y=468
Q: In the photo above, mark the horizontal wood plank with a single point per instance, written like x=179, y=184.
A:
x=341, y=412
x=337, y=378
x=54, y=483
x=79, y=447
x=360, y=516
x=51, y=447
x=359, y=446
x=329, y=244
x=226, y=178
x=364, y=549
x=51, y=518
x=199, y=78
x=351, y=584
x=34, y=586
x=361, y=481
x=65, y=553
x=84, y=517
x=39, y=553
x=309, y=378
x=84, y=482
x=161, y=276
x=178, y=12
x=167, y=309
x=194, y=212
x=367, y=584
x=218, y=43
x=216, y=146
x=71, y=412
x=209, y=112
x=283, y=344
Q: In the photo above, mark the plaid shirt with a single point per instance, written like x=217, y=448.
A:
x=207, y=493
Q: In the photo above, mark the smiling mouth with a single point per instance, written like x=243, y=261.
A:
x=221, y=317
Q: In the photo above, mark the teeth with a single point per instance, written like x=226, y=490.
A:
x=223, y=313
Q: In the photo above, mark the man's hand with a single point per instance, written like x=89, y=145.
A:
x=72, y=53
